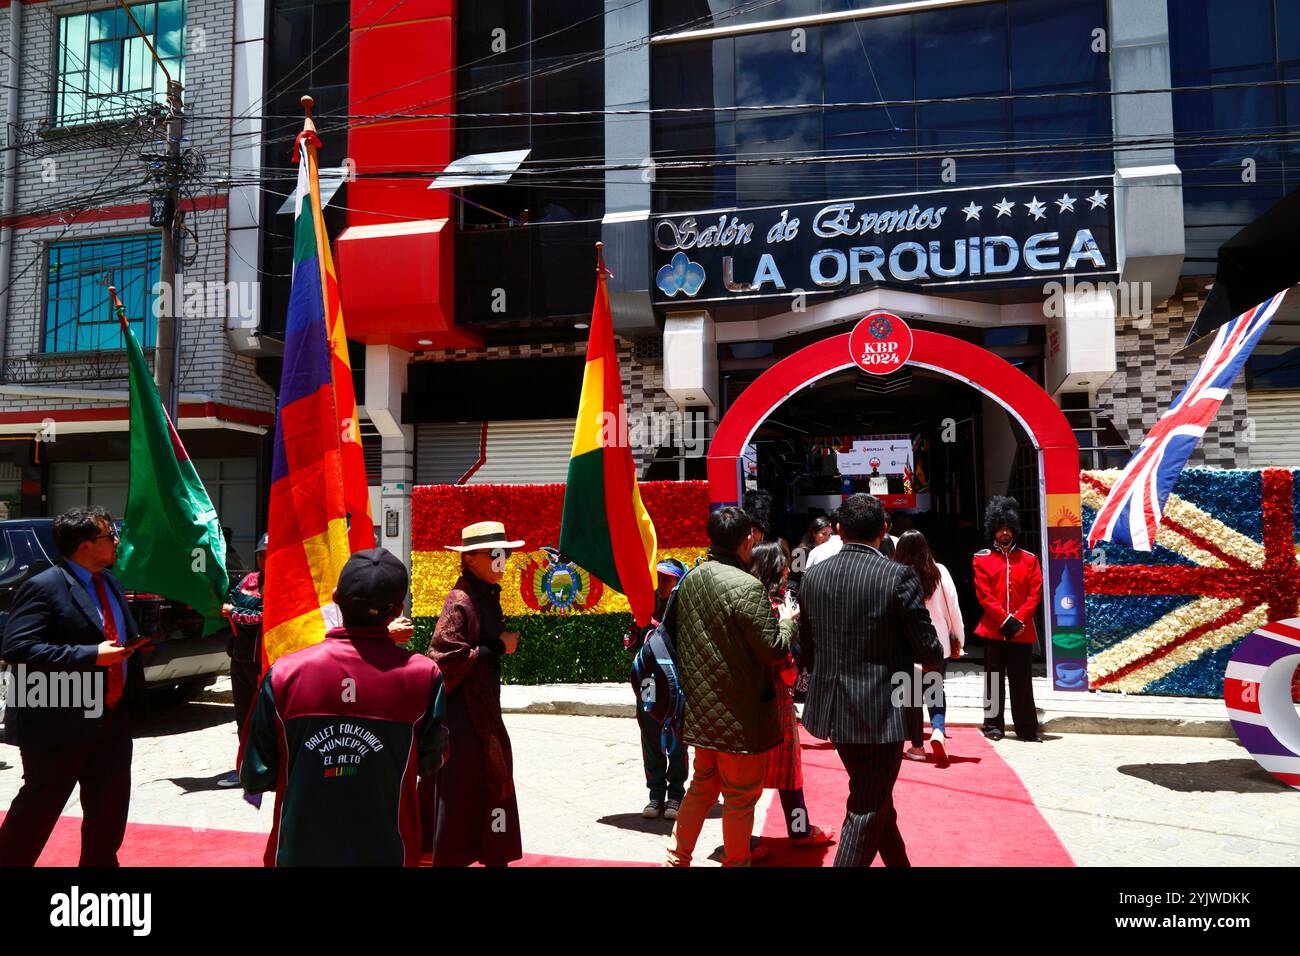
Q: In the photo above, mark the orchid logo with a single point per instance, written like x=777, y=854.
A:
x=680, y=275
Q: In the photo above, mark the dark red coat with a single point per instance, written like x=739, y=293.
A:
x=1007, y=583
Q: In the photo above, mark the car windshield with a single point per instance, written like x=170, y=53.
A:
x=6, y=554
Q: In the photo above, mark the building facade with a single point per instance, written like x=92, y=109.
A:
x=84, y=139
x=1066, y=134
x=1047, y=181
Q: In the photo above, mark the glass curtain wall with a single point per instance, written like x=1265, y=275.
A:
x=1238, y=151
x=983, y=85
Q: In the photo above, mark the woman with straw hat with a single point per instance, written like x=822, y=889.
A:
x=471, y=815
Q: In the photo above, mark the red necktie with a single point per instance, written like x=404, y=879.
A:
x=115, y=677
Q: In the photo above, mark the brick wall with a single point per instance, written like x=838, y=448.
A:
x=1148, y=377
x=113, y=174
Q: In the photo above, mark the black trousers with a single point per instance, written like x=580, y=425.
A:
x=665, y=777
x=870, y=821
x=1008, y=662
x=102, y=767
x=245, y=680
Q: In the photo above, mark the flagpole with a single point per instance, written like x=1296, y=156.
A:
x=310, y=139
x=119, y=309
x=360, y=522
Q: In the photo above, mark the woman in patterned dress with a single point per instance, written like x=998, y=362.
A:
x=784, y=768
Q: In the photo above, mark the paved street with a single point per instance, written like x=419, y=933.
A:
x=1113, y=799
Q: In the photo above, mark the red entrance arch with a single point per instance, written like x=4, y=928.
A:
x=1033, y=408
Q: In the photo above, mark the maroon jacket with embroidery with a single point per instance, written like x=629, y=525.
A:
x=342, y=730
x=1008, y=584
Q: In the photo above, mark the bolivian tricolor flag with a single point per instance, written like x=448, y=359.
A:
x=308, y=537
x=605, y=527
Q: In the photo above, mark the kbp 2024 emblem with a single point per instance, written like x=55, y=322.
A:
x=880, y=343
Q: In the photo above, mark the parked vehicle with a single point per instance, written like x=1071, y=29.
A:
x=181, y=661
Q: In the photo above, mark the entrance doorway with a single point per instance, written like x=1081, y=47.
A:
x=939, y=449
x=1048, y=442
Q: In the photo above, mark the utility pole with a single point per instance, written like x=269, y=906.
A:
x=164, y=212
x=165, y=361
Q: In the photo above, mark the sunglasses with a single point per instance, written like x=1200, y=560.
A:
x=116, y=536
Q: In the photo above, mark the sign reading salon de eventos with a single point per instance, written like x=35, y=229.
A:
x=974, y=238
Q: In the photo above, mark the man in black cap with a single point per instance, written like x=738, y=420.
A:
x=353, y=721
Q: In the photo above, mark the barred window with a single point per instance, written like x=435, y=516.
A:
x=78, y=310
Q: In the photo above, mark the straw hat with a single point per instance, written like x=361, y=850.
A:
x=484, y=536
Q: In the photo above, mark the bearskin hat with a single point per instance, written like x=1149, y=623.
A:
x=758, y=505
x=1002, y=511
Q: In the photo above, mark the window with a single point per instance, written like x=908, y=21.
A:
x=78, y=312
x=105, y=68
x=81, y=484
x=231, y=484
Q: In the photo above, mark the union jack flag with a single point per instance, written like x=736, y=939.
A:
x=1131, y=513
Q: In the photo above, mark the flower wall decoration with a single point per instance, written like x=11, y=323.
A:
x=565, y=613
x=1224, y=565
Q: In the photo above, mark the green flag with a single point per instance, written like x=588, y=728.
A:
x=171, y=539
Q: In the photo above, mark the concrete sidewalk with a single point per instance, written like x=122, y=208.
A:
x=1090, y=712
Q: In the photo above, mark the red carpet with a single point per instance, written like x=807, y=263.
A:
x=974, y=812
x=152, y=845
x=147, y=844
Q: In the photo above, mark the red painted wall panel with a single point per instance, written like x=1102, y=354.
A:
x=401, y=60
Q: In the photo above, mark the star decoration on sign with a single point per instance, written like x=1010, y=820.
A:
x=1098, y=198
x=1066, y=202
x=1035, y=208
x=1004, y=208
x=972, y=211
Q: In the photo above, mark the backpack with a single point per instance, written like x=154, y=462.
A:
x=655, y=679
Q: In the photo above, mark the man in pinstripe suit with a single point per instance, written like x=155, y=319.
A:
x=863, y=624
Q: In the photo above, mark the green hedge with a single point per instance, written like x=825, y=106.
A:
x=556, y=649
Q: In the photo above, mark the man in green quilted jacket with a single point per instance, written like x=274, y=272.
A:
x=727, y=641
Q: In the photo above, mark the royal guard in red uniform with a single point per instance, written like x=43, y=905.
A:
x=1009, y=584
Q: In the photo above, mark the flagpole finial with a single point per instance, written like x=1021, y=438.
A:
x=119, y=309
x=309, y=132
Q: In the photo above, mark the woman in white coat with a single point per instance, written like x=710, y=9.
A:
x=945, y=613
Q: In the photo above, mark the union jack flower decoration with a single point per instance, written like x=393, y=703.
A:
x=1131, y=513
x=1225, y=564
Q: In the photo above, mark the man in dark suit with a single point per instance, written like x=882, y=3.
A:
x=863, y=624
x=70, y=632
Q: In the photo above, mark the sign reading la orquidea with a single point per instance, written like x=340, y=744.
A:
x=974, y=238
